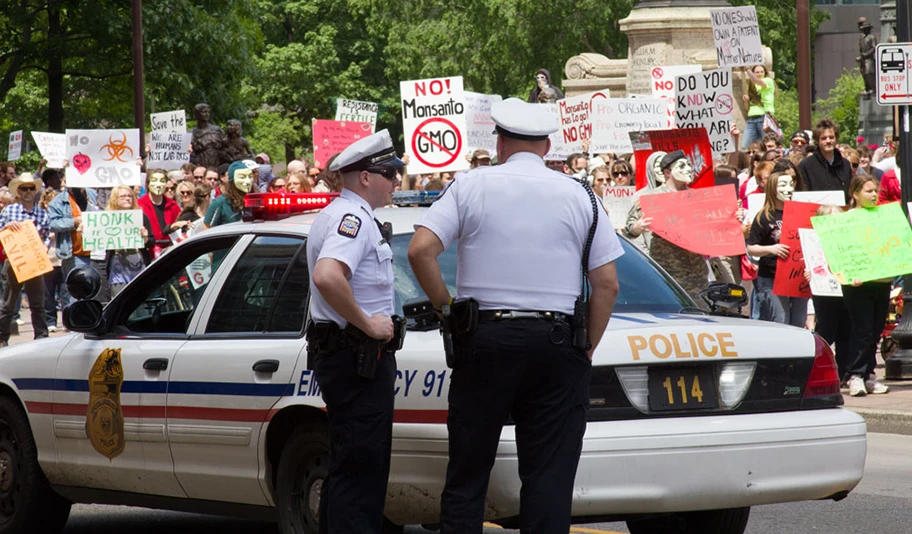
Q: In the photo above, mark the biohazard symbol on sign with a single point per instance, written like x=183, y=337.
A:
x=104, y=420
x=116, y=149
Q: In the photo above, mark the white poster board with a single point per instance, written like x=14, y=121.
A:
x=169, y=121
x=613, y=120
x=663, y=85
x=834, y=198
x=52, y=147
x=200, y=271
x=112, y=230
x=478, y=122
x=575, y=115
x=168, y=150
x=823, y=282
x=705, y=100
x=434, y=124
x=357, y=111
x=737, y=36
x=617, y=201
x=559, y=151
x=15, y=146
x=102, y=158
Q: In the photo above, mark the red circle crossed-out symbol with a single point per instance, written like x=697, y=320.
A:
x=452, y=154
x=724, y=104
x=657, y=73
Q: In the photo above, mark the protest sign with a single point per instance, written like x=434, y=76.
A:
x=15, y=146
x=754, y=205
x=112, y=230
x=790, y=280
x=663, y=85
x=480, y=127
x=168, y=150
x=699, y=220
x=102, y=158
x=200, y=271
x=25, y=251
x=823, y=283
x=617, y=201
x=575, y=114
x=866, y=244
x=357, y=111
x=52, y=147
x=835, y=198
x=179, y=236
x=559, y=151
x=332, y=137
x=705, y=99
x=737, y=36
x=169, y=121
x=613, y=119
x=434, y=124
x=693, y=141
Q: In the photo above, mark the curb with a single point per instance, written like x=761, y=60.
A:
x=885, y=421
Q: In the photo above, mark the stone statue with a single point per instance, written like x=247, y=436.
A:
x=236, y=146
x=544, y=92
x=866, y=47
x=209, y=141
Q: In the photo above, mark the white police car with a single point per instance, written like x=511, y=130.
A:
x=192, y=392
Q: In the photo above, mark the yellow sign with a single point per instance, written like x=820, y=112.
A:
x=25, y=251
x=104, y=420
x=689, y=345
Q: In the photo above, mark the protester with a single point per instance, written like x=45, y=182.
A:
x=480, y=158
x=7, y=173
x=761, y=99
x=197, y=206
x=889, y=185
x=576, y=165
x=294, y=183
x=53, y=281
x=65, y=220
x=122, y=266
x=654, y=176
x=276, y=185
x=329, y=181
x=187, y=170
x=600, y=180
x=199, y=173
x=799, y=142
x=227, y=208
x=184, y=193
x=621, y=173
x=864, y=163
x=826, y=169
x=757, y=184
x=161, y=211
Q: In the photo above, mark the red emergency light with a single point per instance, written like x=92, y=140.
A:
x=275, y=206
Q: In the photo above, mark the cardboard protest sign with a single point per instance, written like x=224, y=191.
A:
x=25, y=251
x=737, y=36
x=480, y=126
x=200, y=271
x=52, y=147
x=866, y=244
x=179, y=236
x=168, y=150
x=693, y=141
x=102, y=158
x=112, y=230
x=835, y=198
x=617, y=201
x=559, y=151
x=332, y=137
x=169, y=121
x=357, y=111
x=705, y=99
x=15, y=146
x=434, y=124
x=823, y=283
x=663, y=85
x=575, y=114
x=613, y=119
x=699, y=220
x=790, y=280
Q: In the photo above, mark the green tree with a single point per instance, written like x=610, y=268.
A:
x=842, y=105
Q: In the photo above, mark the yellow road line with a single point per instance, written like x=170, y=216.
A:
x=592, y=531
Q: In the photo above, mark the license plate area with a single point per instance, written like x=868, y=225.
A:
x=682, y=388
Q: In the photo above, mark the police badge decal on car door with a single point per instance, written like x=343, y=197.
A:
x=104, y=420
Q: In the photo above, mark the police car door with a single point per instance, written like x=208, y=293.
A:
x=109, y=398
x=235, y=368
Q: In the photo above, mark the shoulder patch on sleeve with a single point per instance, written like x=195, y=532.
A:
x=350, y=225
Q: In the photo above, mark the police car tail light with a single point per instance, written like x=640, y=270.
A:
x=824, y=376
x=734, y=381
x=274, y=206
x=635, y=381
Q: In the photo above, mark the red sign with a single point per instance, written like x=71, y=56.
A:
x=790, y=280
x=695, y=144
x=437, y=142
x=699, y=220
x=332, y=137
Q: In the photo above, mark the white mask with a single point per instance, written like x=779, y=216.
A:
x=682, y=171
x=785, y=186
x=243, y=179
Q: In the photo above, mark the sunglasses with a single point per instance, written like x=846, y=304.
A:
x=277, y=186
x=29, y=188
x=169, y=189
x=799, y=142
x=389, y=173
x=620, y=173
x=186, y=193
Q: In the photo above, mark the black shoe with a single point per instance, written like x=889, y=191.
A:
x=4, y=343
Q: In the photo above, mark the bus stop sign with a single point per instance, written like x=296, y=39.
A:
x=893, y=77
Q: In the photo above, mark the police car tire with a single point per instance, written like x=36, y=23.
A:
x=27, y=502
x=304, y=462
x=729, y=521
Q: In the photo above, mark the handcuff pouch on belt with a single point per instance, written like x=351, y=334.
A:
x=458, y=322
x=326, y=337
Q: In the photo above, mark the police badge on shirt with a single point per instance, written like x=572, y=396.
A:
x=350, y=225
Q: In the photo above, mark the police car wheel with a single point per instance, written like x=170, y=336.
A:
x=27, y=502
x=303, y=467
x=730, y=521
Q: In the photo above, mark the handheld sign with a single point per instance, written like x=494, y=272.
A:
x=866, y=244
x=168, y=149
x=434, y=123
x=102, y=158
x=705, y=100
x=790, y=280
x=15, y=146
x=699, y=220
x=575, y=114
x=25, y=251
x=52, y=147
x=332, y=137
x=480, y=126
x=112, y=230
x=617, y=201
x=169, y=121
x=823, y=283
x=357, y=111
x=663, y=85
x=834, y=198
x=613, y=119
x=559, y=151
x=693, y=141
x=737, y=36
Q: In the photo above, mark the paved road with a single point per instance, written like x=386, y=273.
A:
x=881, y=504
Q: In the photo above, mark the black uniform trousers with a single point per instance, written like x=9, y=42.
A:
x=868, y=306
x=360, y=413
x=834, y=326
x=526, y=369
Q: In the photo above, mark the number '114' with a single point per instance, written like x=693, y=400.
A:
x=695, y=391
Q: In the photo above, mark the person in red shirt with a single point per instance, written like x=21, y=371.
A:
x=889, y=186
x=161, y=211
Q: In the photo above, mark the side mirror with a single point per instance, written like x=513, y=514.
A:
x=82, y=316
x=421, y=315
x=83, y=283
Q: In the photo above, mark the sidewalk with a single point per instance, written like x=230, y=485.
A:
x=891, y=412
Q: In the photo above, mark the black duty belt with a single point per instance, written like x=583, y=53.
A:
x=509, y=315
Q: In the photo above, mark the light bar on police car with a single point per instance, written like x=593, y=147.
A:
x=274, y=206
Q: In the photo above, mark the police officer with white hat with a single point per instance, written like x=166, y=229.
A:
x=351, y=304
x=521, y=230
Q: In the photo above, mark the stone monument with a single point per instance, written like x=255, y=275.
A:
x=874, y=120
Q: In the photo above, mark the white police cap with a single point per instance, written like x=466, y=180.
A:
x=522, y=120
x=375, y=150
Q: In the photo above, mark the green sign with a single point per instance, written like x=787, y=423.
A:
x=866, y=244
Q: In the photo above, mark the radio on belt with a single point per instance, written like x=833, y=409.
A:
x=275, y=206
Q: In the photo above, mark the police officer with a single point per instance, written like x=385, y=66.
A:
x=521, y=230
x=351, y=290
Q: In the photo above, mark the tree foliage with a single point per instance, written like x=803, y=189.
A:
x=842, y=105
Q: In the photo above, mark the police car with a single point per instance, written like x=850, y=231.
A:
x=192, y=391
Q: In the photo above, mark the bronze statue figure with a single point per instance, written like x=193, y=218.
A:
x=236, y=146
x=209, y=141
x=867, y=44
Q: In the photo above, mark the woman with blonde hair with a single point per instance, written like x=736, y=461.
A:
x=296, y=182
x=196, y=208
x=122, y=266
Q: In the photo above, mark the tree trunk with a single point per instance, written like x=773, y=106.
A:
x=289, y=153
x=55, y=69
